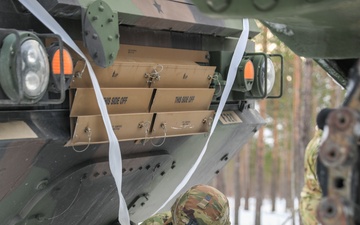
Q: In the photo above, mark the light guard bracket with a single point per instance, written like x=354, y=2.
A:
x=264, y=94
x=46, y=99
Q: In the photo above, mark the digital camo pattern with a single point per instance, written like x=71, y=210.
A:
x=158, y=219
x=201, y=205
x=311, y=192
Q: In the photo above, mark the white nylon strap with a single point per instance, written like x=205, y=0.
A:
x=115, y=160
x=235, y=61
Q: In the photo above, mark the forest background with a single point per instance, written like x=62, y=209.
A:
x=271, y=165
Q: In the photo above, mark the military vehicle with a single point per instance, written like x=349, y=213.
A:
x=168, y=83
x=326, y=31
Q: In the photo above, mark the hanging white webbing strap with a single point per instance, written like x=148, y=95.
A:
x=114, y=149
x=235, y=61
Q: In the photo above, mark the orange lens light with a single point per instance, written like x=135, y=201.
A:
x=249, y=71
x=68, y=63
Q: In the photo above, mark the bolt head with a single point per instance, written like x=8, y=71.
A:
x=42, y=184
x=40, y=218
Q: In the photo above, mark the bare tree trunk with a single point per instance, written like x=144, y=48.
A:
x=296, y=134
x=260, y=167
x=282, y=168
x=237, y=188
x=220, y=182
x=288, y=154
x=306, y=115
x=336, y=96
x=213, y=182
x=275, y=160
x=246, y=169
x=260, y=150
x=305, y=124
x=228, y=173
x=289, y=170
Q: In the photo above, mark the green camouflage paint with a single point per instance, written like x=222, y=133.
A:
x=309, y=30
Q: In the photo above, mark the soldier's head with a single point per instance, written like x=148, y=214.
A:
x=201, y=205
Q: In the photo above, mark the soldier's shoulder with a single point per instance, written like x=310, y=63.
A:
x=158, y=219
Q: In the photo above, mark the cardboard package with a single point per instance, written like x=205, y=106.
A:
x=91, y=129
x=169, y=124
x=181, y=99
x=118, y=101
x=149, y=92
x=139, y=66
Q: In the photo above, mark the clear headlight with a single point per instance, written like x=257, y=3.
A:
x=264, y=75
x=26, y=68
x=35, y=68
x=270, y=71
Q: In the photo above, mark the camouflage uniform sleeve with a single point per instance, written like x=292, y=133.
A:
x=311, y=192
x=159, y=219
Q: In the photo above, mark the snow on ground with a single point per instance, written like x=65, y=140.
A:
x=247, y=217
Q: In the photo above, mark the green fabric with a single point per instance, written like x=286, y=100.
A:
x=311, y=192
x=201, y=204
x=158, y=219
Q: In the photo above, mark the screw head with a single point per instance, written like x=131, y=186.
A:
x=40, y=218
x=42, y=184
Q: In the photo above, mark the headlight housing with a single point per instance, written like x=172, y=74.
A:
x=24, y=67
x=265, y=76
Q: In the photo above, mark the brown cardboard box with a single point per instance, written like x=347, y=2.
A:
x=181, y=99
x=129, y=91
x=182, y=123
x=118, y=101
x=140, y=66
x=169, y=54
x=139, y=74
x=184, y=76
x=126, y=127
x=120, y=74
x=144, y=74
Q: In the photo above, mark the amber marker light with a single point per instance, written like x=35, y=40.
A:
x=249, y=71
x=56, y=65
x=245, y=76
x=58, y=61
